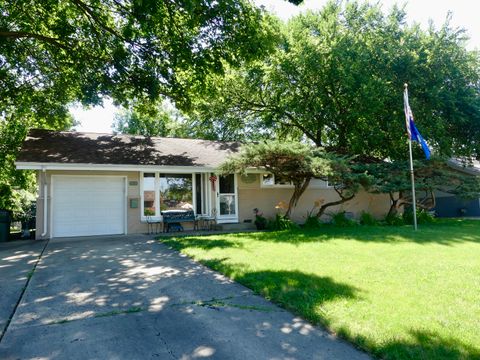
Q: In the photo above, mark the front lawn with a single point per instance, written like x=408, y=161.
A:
x=396, y=293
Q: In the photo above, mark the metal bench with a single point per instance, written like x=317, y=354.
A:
x=172, y=219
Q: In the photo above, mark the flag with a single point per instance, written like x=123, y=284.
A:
x=412, y=131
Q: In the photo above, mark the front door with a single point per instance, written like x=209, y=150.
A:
x=227, y=203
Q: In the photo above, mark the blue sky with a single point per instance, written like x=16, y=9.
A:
x=465, y=15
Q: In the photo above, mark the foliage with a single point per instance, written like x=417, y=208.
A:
x=423, y=217
x=392, y=291
x=434, y=175
x=281, y=222
x=294, y=162
x=150, y=120
x=341, y=220
x=312, y=222
x=367, y=219
x=336, y=79
x=260, y=220
x=128, y=49
x=55, y=53
x=17, y=188
x=394, y=219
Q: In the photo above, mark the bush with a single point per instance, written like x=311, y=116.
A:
x=260, y=222
x=367, y=219
x=394, y=219
x=281, y=223
x=423, y=217
x=340, y=219
x=312, y=222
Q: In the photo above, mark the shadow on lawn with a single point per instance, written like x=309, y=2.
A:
x=299, y=292
x=423, y=345
x=200, y=242
x=303, y=294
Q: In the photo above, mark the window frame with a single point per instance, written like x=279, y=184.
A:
x=205, y=194
x=325, y=185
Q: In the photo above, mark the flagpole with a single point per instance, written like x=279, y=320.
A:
x=412, y=176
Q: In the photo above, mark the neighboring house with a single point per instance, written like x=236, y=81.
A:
x=450, y=206
x=99, y=184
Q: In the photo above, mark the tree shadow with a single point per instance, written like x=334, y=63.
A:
x=422, y=345
x=200, y=242
x=299, y=292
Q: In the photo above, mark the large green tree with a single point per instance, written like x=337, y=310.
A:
x=337, y=77
x=53, y=53
x=151, y=120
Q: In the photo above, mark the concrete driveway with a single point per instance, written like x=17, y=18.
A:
x=17, y=259
x=133, y=298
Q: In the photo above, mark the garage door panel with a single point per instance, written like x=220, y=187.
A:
x=85, y=206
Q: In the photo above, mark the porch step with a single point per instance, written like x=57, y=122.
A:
x=235, y=227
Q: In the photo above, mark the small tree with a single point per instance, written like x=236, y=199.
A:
x=291, y=161
x=430, y=176
x=346, y=179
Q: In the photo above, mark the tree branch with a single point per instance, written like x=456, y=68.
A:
x=25, y=34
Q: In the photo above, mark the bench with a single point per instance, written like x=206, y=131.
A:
x=172, y=219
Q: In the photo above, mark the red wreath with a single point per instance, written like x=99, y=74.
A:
x=213, y=179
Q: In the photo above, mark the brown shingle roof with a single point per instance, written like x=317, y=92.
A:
x=46, y=146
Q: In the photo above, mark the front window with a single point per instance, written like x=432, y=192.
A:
x=149, y=203
x=164, y=192
x=176, y=192
x=270, y=180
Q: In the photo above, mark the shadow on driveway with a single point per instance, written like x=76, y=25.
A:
x=133, y=298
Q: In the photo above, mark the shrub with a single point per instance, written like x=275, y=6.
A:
x=423, y=217
x=312, y=222
x=367, y=219
x=281, y=223
x=260, y=222
x=340, y=219
x=395, y=220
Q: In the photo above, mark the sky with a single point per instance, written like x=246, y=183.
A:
x=464, y=14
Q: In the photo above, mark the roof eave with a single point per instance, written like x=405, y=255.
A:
x=21, y=165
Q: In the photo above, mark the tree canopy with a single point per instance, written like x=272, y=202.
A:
x=53, y=53
x=336, y=79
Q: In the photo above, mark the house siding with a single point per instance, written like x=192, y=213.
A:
x=252, y=195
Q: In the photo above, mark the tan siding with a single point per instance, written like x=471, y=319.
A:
x=265, y=199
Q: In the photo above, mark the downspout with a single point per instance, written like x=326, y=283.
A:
x=45, y=205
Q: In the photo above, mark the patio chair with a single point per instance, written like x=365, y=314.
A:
x=153, y=225
x=209, y=222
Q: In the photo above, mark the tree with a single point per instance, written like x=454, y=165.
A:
x=147, y=120
x=430, y=176
x=54, y=53
x=336, y=80
x=127, y=49
x=291, y=161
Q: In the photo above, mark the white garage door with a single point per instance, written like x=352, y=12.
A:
x=84, y=205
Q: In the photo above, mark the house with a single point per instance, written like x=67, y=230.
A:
x=452, y=206
x=99, y=184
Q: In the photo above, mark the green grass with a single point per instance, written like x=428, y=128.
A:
x=393, y=292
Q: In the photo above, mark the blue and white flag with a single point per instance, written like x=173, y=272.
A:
x=412, y=131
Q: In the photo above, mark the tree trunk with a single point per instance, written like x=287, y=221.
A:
x=393, y=211
x=343, y=199
x=297, y=193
